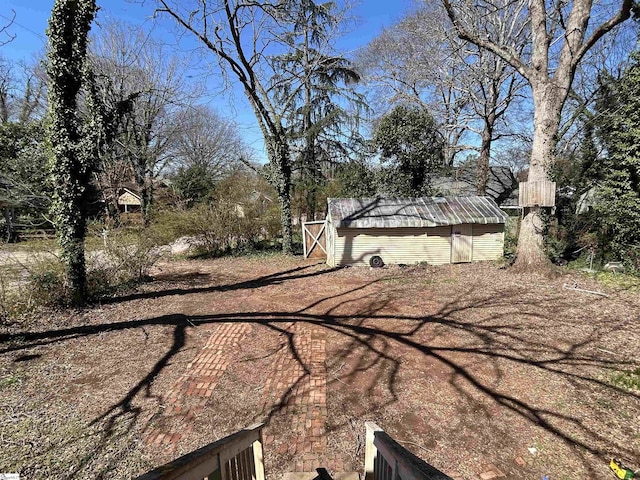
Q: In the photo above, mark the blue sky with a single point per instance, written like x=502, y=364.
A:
x=31, y=18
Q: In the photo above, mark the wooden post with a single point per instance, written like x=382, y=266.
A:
x=224, y=472
x=370, y=450
x=258, y=459
x=304, y=239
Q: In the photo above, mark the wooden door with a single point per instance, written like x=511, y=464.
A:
x=461, y=243
x=314, y=239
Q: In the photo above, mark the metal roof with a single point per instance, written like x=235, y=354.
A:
x=413, y=212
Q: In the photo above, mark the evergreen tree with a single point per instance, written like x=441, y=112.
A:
x=322, y=131
x=618, y=205
x=411, y=149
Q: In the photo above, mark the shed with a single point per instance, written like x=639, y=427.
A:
x=436, y=230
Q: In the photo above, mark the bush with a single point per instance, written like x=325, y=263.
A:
x=510, y=239
x=129, y=257
x=125, y=261
x=26, y=286
x=219, y=228
x=223, y=227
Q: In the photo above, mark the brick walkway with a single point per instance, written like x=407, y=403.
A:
x=189, y=395
x=295, y=390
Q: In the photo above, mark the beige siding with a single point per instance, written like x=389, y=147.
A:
x=355, y=246
x=330, y=245
x=488, y=242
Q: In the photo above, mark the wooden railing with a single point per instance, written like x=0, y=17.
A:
x=236, y=457
x=386, y=459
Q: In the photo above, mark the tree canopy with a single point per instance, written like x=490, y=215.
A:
x=408, y=141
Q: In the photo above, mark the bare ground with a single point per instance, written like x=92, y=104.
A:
x=466, y=365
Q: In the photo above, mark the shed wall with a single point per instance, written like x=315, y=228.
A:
x=488, y=241
x=331, y=233
x=355, y=246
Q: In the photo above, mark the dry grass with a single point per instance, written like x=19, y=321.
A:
x=467, y=365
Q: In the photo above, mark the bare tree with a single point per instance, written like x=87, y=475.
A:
x=206, y=139
x=561, y=34
x=244, y=37
x=412, y=62
x=139, y=88
x=22, y=93
x=470, y=90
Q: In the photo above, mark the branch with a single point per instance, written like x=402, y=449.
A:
x=623, y=14
x=502, y=51
x=5, y=27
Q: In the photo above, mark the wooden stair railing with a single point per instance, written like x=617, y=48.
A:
x=239, y=457
x=236, y=457
x=386, y=459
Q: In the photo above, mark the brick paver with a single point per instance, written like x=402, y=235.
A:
x=189, y=395
x=297, y=387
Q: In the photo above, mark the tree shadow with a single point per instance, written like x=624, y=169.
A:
x=359, y=316
x=266, y=280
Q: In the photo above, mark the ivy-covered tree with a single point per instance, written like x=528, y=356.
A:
x=72, y=146
x=411, y=149
x=618, y=194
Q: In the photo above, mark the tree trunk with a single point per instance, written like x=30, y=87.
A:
x=548, y=107
x=482, y=170
x=280, y=179
x=10, y=221
x=73, y=163
x=146, y=201
x=285, y=218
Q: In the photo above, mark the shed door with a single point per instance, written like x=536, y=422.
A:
x=314, y=239
x=461, y=243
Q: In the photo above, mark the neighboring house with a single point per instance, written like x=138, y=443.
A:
x=129, y=200
x=587, y=200
x=435, y=230
x=502, y=185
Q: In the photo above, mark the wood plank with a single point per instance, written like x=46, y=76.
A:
x=258, y=459
x=461, y=243
x=200, y=463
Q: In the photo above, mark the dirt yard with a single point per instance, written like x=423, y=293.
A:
x=471, y=367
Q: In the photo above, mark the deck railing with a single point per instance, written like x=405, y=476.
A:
x=386, y=459
x=236, y=457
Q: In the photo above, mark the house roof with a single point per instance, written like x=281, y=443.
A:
x=413, y=212
x=502, y=185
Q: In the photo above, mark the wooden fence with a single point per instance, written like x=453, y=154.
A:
x=236, y=457
x=386, y=459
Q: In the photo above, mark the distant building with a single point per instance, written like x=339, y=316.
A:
x=502, y=185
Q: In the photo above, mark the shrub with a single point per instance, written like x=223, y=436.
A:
x=510, y=239
x=126, y=260
x=223, y=227
x=129, y=257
